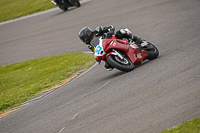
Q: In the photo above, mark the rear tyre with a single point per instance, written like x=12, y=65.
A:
x=76, y=3
x=152, y=51
x=121, y=64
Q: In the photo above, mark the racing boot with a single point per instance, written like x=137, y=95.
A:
x=108, y=67
x=138, y=41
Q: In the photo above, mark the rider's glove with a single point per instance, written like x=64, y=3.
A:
x=89, y=46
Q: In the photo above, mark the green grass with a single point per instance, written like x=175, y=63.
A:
x=10, y=9
x=192, y=126
x=21, y=81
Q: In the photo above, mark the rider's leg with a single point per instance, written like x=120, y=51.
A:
x=108, y=67
x=125, y=33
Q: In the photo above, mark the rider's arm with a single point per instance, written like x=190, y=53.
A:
x=107, y=31
x=94, y=43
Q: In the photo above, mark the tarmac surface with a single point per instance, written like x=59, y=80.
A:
x=156, y=95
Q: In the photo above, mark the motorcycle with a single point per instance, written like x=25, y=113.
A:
x=64, y=4
x=122, y=54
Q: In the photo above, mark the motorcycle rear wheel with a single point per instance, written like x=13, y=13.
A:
x=124, y=65
x=152, y=51
x=76, y=3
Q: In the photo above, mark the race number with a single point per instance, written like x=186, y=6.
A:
x=98, y=49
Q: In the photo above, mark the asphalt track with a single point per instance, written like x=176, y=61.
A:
x=153, y=97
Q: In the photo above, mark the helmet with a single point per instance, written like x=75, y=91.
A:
x=86, y=35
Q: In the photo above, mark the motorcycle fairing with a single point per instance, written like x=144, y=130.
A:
x=98, y=49
x=138, y=56
x=106, y=44
x=132, y=50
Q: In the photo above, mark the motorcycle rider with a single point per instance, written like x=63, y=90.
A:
x=58, y=2
x=90, y=37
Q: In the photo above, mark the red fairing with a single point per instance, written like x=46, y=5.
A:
x=135, y=56
x=133, y=53
x=98, y=58
x=131, y=50
x=115, y=44
x=122, y=54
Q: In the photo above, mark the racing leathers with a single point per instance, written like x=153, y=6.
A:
x=107, y=32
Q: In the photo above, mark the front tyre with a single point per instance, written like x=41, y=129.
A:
x=151, y=50
x=121, y=64
x=63, y=8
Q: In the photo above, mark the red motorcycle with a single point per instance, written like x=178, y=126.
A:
x=123, y=54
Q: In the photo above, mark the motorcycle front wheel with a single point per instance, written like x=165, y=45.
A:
x=64, y=8
x=121, y=64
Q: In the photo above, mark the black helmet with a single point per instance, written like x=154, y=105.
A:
x=86, y=35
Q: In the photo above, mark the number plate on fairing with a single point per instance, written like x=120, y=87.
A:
x=99, y=49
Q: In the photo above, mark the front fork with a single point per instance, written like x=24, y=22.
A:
x=114, y=52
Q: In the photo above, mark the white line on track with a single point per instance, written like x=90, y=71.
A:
x=87, y=93
x=29, y=16
x=27, y=104
x=83, y=111
x=86, y=108
x=61, y=130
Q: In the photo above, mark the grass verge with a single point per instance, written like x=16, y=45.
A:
x=21, y=81
x=11, y=9
x=192, y=126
